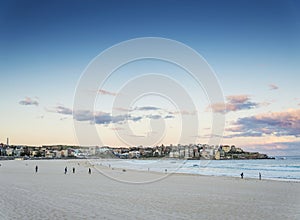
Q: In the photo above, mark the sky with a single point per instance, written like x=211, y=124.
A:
x=252, y=47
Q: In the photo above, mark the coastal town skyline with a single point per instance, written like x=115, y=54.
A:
x=46, y=47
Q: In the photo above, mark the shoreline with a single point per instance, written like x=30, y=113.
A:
x=87, y=163
x=159, y=172
x=178, y=171
x=111, y=193
x=3, y=158
x=203, y=175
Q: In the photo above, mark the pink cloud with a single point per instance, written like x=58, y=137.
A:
x=234, y=103
x=237, y=98
x=105, y=92
x=219, y=107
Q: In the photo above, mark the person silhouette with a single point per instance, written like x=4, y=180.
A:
x=36, y=168
x=259, y=176
x=242, y=175
x=90, y=171
x=73, y=169
x=66, y=170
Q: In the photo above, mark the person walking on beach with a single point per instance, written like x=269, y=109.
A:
x=242, y=175
x=36, y=168
x=90, y=171
x=259, y=176
x=66, y=170
x=73, y=169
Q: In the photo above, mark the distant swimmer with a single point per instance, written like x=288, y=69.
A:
x=90, y=171
x=36, y=168
x=73, y=169
x=66, y=170
x=259, y=176
x=242, y=175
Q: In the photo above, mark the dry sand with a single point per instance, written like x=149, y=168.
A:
x=50, y=194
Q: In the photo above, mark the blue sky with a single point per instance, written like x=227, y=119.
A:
x=253, y=47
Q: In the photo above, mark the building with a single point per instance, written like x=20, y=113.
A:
x=226, y=148
x=217, y=155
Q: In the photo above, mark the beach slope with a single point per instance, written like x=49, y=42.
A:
x=51, y=194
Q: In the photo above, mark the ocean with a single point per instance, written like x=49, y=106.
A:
x=281, y=168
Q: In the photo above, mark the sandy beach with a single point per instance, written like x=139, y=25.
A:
x=51, y=194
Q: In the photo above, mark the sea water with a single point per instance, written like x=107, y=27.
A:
x=281, y=168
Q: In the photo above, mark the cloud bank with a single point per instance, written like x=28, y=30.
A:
x=286, y=123
x=101, y=118
x=104, y=118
